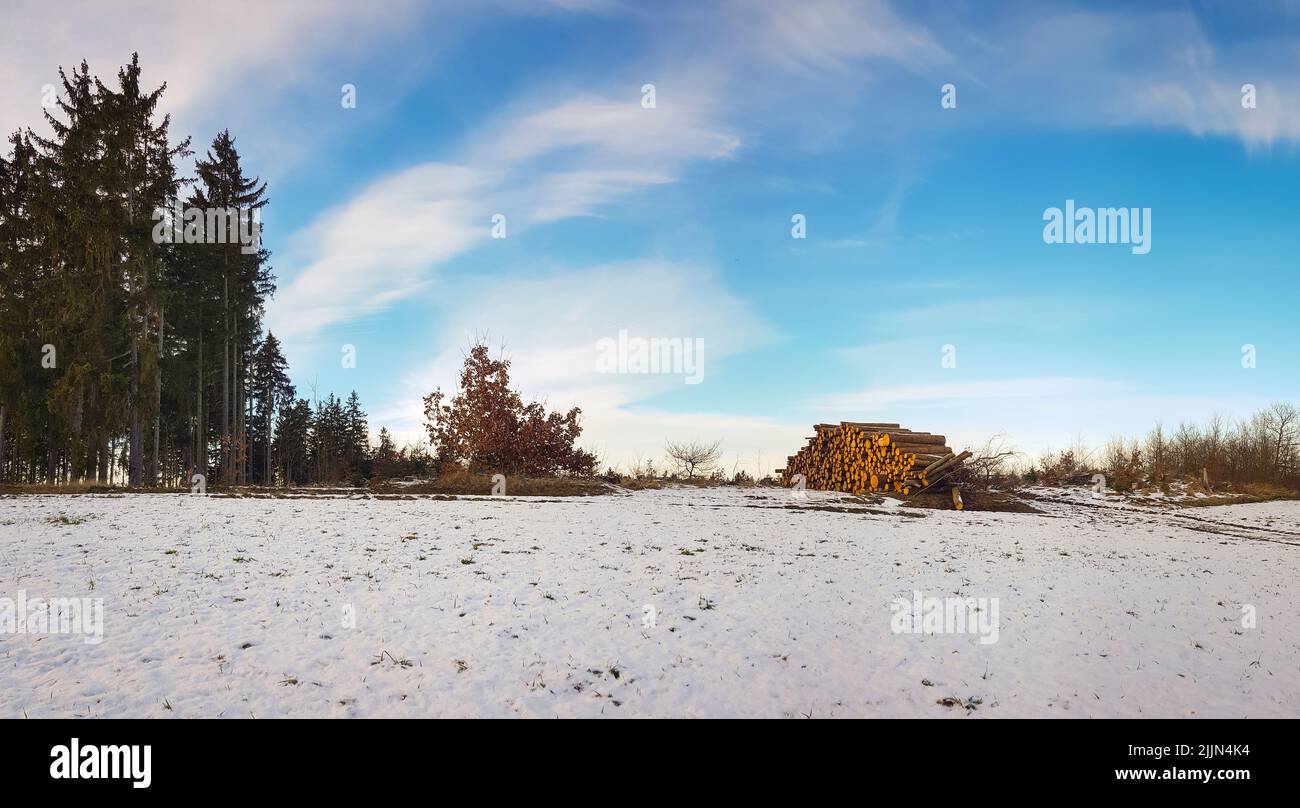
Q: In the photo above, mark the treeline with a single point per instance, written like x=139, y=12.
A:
x=1261, y=449
x=131, y=340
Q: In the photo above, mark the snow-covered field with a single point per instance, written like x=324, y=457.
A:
x=679, y=602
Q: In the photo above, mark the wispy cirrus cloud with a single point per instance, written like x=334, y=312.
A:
x=834, y=36
x=274, y=80
x=560, y=162
x=1160, y=67
x=277, y=46
x=573, y=157
x=609, y=128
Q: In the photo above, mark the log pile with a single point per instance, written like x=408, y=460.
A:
x=857, y=457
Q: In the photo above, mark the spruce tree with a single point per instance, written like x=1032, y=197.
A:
x=269, y=385
x=245, y=283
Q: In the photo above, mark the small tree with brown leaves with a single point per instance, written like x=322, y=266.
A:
x=487, y=427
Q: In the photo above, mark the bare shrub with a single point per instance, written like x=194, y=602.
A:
x=1059, y=468
x=695, y=457
x=643, y=470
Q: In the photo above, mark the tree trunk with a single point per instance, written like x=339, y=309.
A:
x=270, y=408
x=157, y=400
x=136, y=460
x=237, y=407
x=200, y=432
x=240, y=423
x=225, y=382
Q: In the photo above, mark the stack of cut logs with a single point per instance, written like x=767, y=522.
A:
x=857, y=457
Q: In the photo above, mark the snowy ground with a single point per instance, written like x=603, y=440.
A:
x=763, y=605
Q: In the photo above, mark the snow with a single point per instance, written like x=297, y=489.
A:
x=1281, y=515
x=763, y=605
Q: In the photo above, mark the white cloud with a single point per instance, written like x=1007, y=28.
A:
x=611, y=128
x=1207, y=103
x=377, y=248
x=1130, y=68
x=219, y=57
x=821, y=35
x=567, y=160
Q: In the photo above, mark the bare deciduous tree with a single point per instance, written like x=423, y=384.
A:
x=1282, y=422
x=694, y=457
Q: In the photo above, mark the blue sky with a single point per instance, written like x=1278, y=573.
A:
x=924, y=224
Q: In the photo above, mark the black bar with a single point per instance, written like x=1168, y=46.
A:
x=300, y=758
